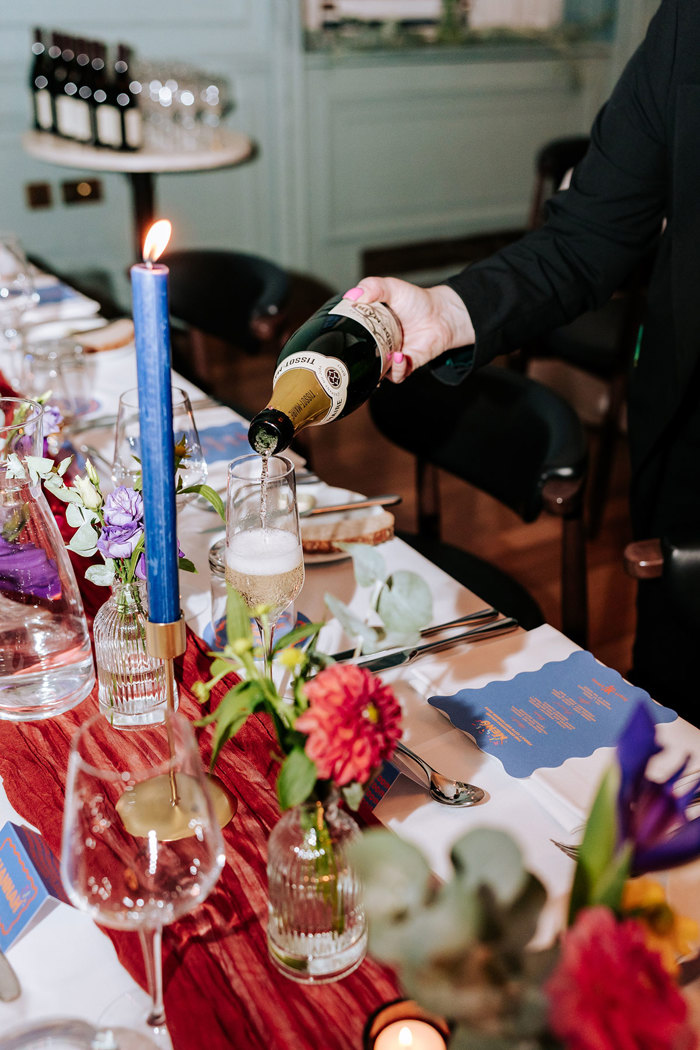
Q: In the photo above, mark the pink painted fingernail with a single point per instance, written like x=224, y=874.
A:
x=354, y=294
x=398, y=357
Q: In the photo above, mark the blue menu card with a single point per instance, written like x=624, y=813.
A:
x=568, y=708
x=30, y=881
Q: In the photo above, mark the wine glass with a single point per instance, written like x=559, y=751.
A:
x=126, y=462
x=17, y=295
x=264, y=558
x=141, y=843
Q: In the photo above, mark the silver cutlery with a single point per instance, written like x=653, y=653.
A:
x=567, y=848
x=9, y=984
x=443, y=789
x=406, y=656
x=360, y=504
x=480, y=616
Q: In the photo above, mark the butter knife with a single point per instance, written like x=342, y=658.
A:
x=9, y=985
x=360, y=504
x=474, y=618
x=406, y=656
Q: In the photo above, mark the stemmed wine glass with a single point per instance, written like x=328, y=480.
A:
x=264, y=558
x=17, y=295
x=126, y=463
x=141, y=843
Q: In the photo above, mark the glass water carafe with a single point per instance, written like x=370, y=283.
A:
x=45, y=654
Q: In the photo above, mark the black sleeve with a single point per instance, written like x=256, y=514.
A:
x=596, y=231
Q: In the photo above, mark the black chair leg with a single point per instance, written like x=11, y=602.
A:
x=607, y=440
x=574, y=587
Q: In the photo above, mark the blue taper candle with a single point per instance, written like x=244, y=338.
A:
x=149, y=289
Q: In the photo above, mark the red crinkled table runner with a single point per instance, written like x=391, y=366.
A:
x=221, y=991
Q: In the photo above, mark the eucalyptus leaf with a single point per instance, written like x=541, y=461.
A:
x=64, y=465
x=39, y=467
x=77, y=515
x=102, y=575
x=368, y=564
x=186, y=565
x=353, y=794
x=353, y=625
x=84, y=541
x=54, y=484
x=395, y=875
x=405, y=602
x=296, y=779
x=486, y=856
x=15, y=467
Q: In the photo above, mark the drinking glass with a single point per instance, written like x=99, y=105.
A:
x=62, y=367
x=264, y=559
x=126, y=462
x=17, y=295
x=141, y=843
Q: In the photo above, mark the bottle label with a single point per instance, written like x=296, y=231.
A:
x=133, y=128
x=331, y=373
x=73, y=118
x=43, y=110
x=109, y=127
x=379, y=320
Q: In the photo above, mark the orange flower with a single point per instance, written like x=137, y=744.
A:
x=352, y=723
x=669, y=934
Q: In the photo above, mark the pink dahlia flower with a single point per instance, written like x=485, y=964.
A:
x=609, y=992
x=352, y=723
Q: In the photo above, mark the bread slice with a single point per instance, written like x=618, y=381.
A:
x=110, y=337
x=321, y=535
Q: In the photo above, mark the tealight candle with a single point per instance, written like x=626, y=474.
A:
x=404, y=1025
x=409, y=1035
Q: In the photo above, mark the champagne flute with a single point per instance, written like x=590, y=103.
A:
x=141, y=843
x=126, y=462
x=264, y=558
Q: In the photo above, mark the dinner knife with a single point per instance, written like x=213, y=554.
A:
x=474, y=618
x=360, y=504
x=406, y=656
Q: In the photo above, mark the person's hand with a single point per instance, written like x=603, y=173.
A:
x=433, y=319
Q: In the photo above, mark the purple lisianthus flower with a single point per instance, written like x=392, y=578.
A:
x=52, y=419
x=140, y=569
x=26, y=569
x=123, y=523
x=651, y=815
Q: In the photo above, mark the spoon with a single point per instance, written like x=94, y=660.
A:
x=443, y=789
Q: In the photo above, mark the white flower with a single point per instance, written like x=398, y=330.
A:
x=90, y=496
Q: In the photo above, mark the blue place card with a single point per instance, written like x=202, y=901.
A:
x=568, y=708
x=56, y=293
x=30, y=881
x=225, y=442
x=378, y=788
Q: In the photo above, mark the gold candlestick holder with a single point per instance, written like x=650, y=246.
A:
x=166, y=641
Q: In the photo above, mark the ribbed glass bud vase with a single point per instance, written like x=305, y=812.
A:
x=317, y=930
x=132, y=684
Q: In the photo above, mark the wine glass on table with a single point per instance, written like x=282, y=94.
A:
x=126, y=462
x=264, y=558
x=17, y=295
x=141, y=843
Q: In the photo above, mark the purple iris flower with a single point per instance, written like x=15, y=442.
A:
x=26, y=569
x=651, y=815
x=123, y=523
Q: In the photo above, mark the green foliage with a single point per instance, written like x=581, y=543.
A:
x=402, y=601
x=601, y=868
x=460, y=947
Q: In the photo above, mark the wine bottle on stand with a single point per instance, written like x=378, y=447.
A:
x=127, y=101
x=56, y=75
x=326, y=369
x=72, y=111
x=84, y=80
x=107, y=121
x=39, y=84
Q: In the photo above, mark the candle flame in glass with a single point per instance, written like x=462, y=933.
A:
x=405, y=1036
x=156, y=240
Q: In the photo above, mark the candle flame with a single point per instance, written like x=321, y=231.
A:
x=405, y=1036
x=156, y=240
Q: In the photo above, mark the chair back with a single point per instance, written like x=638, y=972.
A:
x=500, y=431
x=552, y=163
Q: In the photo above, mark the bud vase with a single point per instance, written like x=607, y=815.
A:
x=317, y=930
x=132, y=684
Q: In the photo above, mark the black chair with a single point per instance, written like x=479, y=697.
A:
x=600, y=342
x=512, y=438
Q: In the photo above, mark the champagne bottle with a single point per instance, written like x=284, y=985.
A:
x=326, y=370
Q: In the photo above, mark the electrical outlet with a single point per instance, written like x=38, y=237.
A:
x=38, y=194
x=82, y=191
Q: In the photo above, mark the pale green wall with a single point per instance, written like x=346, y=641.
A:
x=276, y=205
